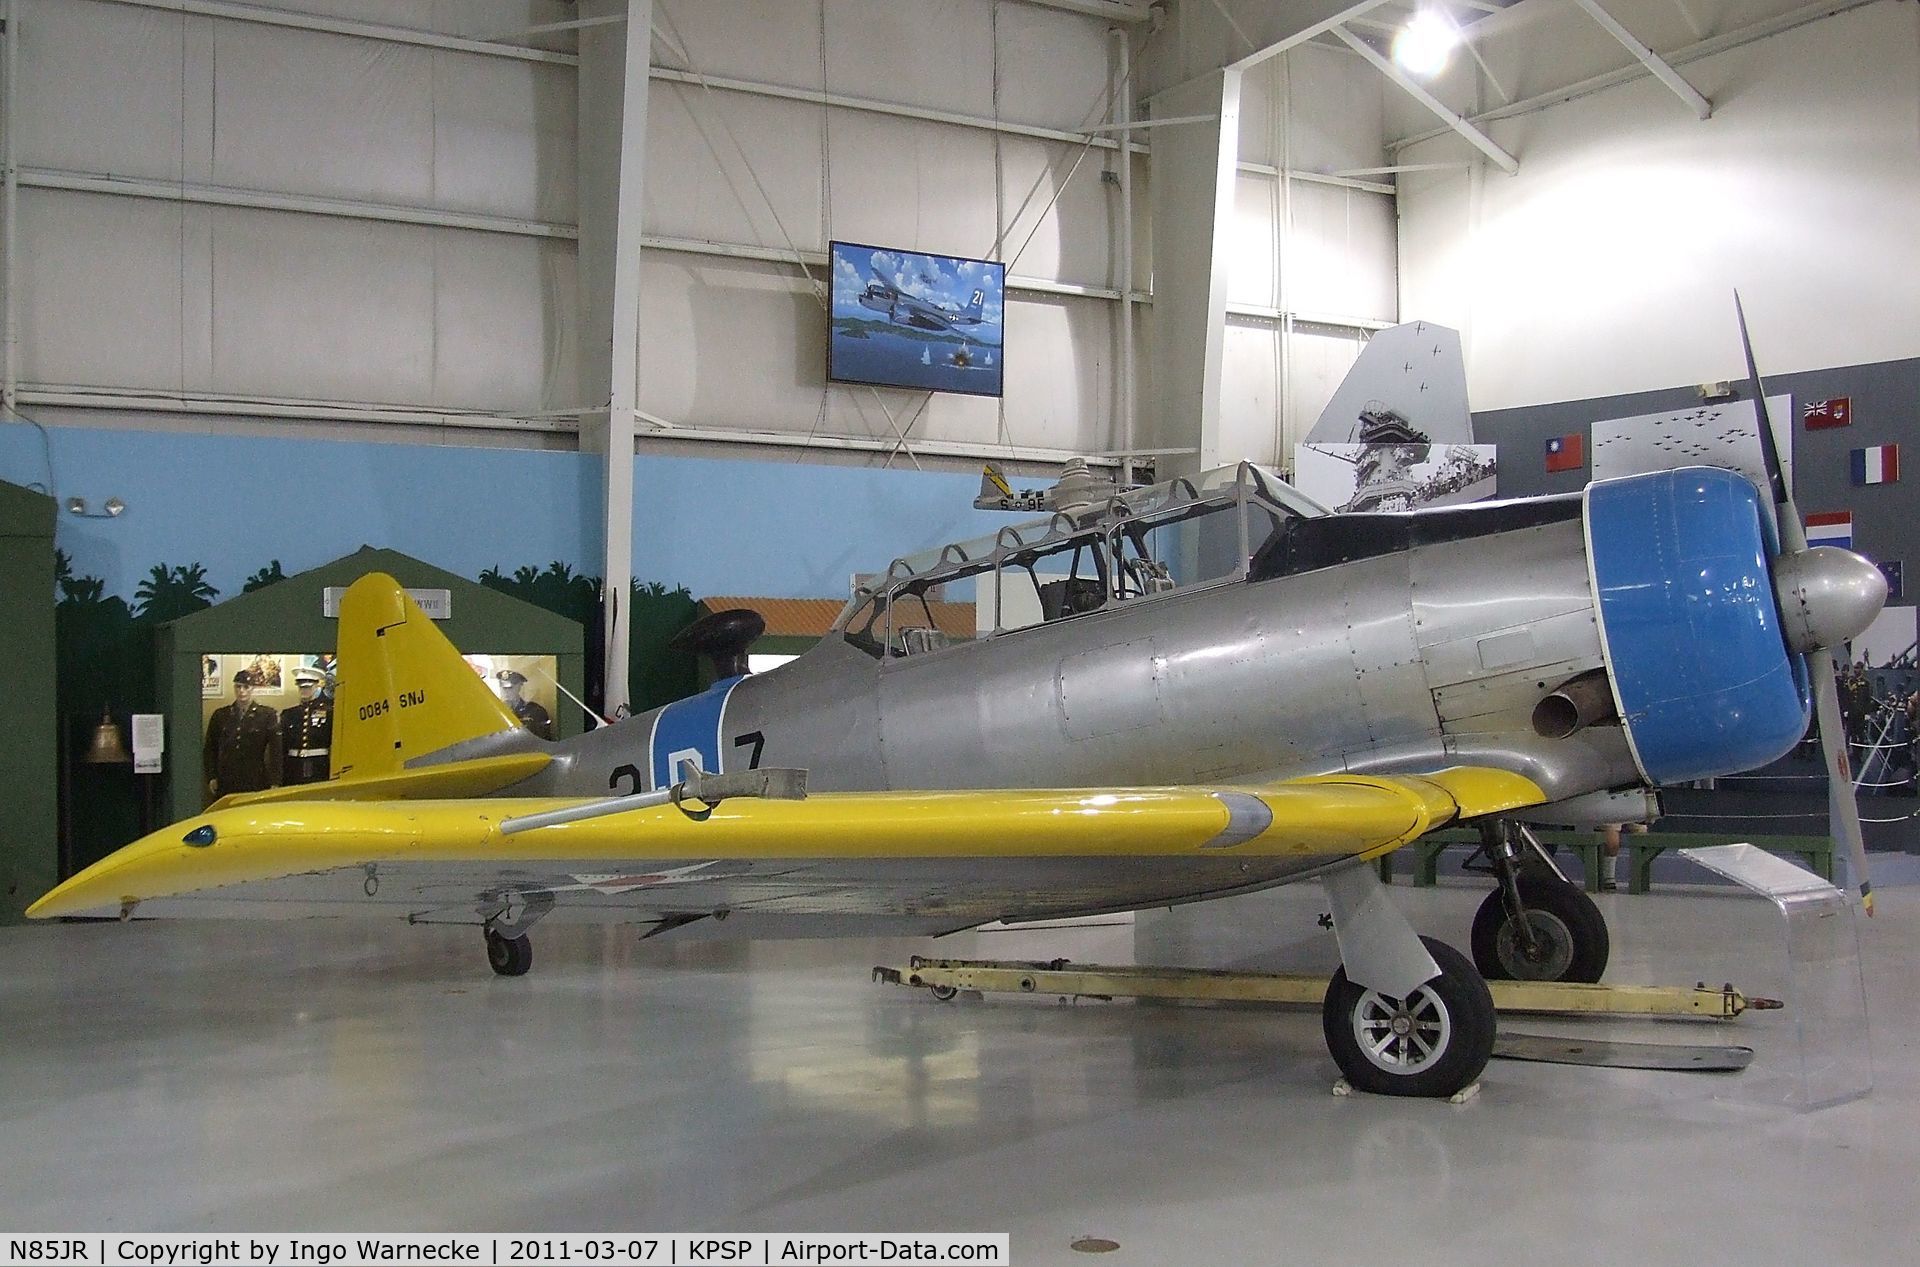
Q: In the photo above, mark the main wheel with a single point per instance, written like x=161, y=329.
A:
x=1568, y=928
x=1434, y=1042
x=509, y=956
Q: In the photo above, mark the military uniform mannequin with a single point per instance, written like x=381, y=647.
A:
x=531, y=715
x=306, y=731
x=242, y=752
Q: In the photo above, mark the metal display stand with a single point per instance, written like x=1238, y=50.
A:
x=1827, y=996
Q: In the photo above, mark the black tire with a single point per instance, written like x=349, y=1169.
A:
x=945, y=993
x=1567, y=921
x=509, y=956
x=1450, y=1039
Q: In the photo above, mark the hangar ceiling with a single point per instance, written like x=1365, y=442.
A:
x=1519, y=56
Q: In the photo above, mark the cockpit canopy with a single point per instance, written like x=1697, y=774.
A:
x=1181, y=535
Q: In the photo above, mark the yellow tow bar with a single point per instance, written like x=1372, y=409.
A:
x=947, y=977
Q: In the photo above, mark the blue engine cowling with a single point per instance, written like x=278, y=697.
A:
x=1702, y=674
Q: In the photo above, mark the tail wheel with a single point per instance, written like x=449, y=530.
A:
x=1569, y=933
x=509, y=956
x=1434, y=1042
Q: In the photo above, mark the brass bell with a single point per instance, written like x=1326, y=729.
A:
x=108, y=746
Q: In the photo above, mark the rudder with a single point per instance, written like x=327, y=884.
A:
x=403, y=690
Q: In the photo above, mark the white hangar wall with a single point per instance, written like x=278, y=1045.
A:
x=140, y=130
x=1316, y=258
x=751, y=163
x=246, y=225
x=1608, y=263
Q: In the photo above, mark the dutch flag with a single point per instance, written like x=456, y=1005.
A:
x=1878, y=465
x=1831, y=528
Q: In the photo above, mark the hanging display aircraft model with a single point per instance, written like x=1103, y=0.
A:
x=1196, y=689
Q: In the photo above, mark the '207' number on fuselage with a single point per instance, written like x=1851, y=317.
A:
x=754, y=740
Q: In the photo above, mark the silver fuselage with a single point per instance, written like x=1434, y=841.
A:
x=1408, y=660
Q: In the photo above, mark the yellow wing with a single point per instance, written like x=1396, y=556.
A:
x=972, y=855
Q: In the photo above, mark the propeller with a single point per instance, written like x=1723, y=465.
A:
x=1826, y=597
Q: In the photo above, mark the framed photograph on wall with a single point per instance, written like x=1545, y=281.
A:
x=269, y=671
x=1390, y=477
x=908, y=319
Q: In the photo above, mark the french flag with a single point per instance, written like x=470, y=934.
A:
x=1831, y=528
x=1878, y=465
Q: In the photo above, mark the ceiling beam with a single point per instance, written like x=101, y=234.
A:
x=1271, y=29
x=1111, y=10
x=233, y=11
x=1740, y=37
x=1662, y=70
x=1478, y=139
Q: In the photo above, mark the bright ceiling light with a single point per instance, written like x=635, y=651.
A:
x=1425, y=43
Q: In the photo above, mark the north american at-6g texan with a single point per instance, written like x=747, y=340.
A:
x=1201, y=688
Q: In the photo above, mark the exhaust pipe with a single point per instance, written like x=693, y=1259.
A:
x=1579, y=702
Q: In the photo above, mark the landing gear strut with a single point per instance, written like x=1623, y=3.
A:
x=1537, y=925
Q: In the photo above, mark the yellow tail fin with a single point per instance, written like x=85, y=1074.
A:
x=403, y=691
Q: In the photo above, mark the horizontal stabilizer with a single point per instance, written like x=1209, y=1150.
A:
x=481, y=776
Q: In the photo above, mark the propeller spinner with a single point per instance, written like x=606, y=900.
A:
x=1827, y=596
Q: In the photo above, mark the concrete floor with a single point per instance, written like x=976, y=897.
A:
x=181, y=1077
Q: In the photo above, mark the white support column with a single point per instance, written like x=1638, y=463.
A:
x=1194, y=169
x=612, y=157
x=10, y=209
x=1480, y=140
x=625, y=373
x=1123, y=266
x=1661, y=68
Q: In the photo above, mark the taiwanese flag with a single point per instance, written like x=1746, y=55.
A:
x=1822, y=414
x=1877, y=465
x=1566, y=453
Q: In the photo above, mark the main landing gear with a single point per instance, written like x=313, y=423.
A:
x=1537, y=925
x=1432, y=1042
x=1404, y=1015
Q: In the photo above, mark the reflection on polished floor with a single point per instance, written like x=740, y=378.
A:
x=317, y=1076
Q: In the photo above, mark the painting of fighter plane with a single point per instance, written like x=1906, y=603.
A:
x=906, y=319
x=1196, y=689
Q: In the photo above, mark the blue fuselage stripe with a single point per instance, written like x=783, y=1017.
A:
x=690, y=728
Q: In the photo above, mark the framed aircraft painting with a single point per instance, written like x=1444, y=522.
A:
x=908, y=319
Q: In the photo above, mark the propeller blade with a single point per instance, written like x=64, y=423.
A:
x=1843, y=812
x=1769, y=442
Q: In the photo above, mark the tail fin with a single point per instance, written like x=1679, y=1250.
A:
x=993, y=484
x=977, y=304
x=404, y=691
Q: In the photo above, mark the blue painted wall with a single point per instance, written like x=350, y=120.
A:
x=776, y=529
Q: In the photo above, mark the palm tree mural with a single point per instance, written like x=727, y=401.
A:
x=168, y=593
x=83, y=590
x=266, y=576
x=655, y=675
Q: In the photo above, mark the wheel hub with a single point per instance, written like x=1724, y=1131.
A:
x=1402, y=1036
x=1553, y=948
